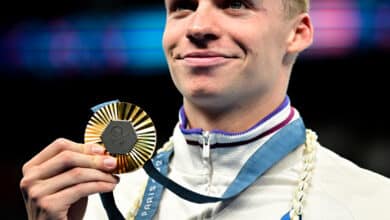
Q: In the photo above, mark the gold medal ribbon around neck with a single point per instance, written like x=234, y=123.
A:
x=126, y=132
x=304, y=182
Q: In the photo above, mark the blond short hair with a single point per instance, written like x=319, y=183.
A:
x=294, y=7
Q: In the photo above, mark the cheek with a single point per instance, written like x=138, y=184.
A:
x=170, y=36
x=166, y=41
x=265, y=50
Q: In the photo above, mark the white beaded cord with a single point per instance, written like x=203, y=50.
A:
x=309, y=152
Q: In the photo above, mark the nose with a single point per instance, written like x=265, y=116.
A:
x=203, y=26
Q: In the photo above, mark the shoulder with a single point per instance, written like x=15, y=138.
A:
x=334, y=166
x=361, y=192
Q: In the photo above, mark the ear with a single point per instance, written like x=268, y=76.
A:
x=301, y=35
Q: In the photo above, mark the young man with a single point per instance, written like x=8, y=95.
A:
x=238, y=138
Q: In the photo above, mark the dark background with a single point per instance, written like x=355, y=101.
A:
x=344, y=99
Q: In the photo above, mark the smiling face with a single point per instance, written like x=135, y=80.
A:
x=224, y=52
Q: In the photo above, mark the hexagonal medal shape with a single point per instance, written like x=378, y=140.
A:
x=119, y=137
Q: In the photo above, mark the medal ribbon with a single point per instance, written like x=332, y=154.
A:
x=275, y=149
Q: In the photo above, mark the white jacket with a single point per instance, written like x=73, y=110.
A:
x=339, y=189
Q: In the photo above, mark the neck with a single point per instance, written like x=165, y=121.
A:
x=236, y=118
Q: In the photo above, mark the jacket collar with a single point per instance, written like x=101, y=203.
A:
x=277, y=119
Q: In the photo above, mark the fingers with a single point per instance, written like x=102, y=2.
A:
x=54, y=203
x=68, y=179
x=68, y=159
x=58, y=205
x=62, y=175
x=60, y=145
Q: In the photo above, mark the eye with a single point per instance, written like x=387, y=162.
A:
x=236, y=4
x=182, y=5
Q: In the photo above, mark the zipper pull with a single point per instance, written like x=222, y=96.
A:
x=206, y=145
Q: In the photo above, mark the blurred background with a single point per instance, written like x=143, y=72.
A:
x=59, y=58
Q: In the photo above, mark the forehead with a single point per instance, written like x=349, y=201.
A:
x=269, y=5
x=257, y=2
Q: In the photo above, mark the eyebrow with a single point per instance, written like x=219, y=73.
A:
x=259, y=3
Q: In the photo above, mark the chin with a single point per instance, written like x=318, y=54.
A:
x=203, y=92
x=207, y=100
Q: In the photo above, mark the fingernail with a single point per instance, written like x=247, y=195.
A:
x=97, y=149
x=109, y=162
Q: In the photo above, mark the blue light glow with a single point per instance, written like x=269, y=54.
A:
x=133, y=39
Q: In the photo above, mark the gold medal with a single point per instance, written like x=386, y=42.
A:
x=127, y=133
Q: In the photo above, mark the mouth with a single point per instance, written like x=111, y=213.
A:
x=204, y=58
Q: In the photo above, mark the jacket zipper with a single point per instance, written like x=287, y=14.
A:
x=206, y=146
x=206, y=158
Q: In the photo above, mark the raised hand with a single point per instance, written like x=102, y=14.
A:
x=57, y=181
